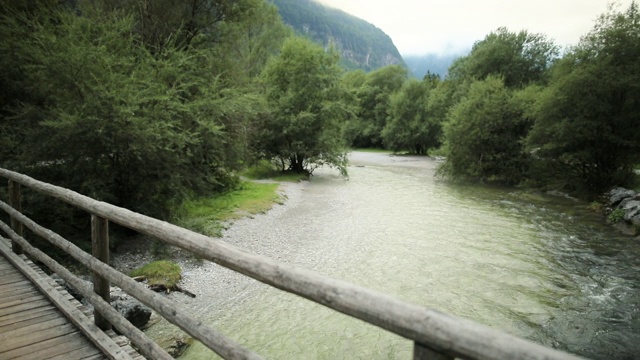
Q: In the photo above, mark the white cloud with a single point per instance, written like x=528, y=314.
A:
x=451, y=26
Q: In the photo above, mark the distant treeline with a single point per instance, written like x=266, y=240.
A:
x=515, y=112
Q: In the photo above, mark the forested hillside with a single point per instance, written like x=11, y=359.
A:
x=361, y=44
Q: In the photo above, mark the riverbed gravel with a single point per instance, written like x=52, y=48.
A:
x=216, y=287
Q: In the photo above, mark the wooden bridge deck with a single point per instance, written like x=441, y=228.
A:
x=32, y=327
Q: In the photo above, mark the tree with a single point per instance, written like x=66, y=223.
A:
x=95, y=109
x=484, y=133
x=411, y=126
x=374, y=99
x=520, y=58
x=587, y=126
x=302, y=87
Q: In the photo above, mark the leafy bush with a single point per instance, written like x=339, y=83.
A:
x=616, y=216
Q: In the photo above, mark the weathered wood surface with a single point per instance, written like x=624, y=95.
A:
x=120, y=340
x=144, y=344
x=443, y=333
x=38, y=330
x=71, y=314
x=219, y=343
x=100, y=250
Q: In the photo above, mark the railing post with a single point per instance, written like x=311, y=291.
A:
x=15, y=200
x=421, y=352
x=100, y=250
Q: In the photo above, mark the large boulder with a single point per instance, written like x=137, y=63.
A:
x=618, y=194
x=631, y=209
x=132, y=310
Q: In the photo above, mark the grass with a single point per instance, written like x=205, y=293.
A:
x=265, y=170
x=206, y=215
x=160, y=272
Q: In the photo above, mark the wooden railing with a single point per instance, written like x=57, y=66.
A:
x=435, y=335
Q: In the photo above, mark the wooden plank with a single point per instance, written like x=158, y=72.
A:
x=100, y=250
x=54, y=347
x=82, y=353
x=29, y=330
x=26, y=306
x=99, y=338
x=14, y=287
x=4, y=266
x=73, y=339
x=22, y=301
x=95, y=357
x=10, y=279
x=460, y=337
x=26, y=315
x=36, y=337
x=7, y=271
x=20, y=294
x=29, y=322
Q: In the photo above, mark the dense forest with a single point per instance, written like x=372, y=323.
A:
x=146, y=104
x=362, y=45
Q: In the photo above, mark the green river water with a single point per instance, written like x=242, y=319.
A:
x=539, y=267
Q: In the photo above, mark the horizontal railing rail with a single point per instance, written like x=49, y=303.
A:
x=435, y=334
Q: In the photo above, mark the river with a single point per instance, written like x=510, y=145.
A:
x=540, y=267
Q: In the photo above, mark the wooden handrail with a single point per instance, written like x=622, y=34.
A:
x=146, y=346
x=217, y=342
x=431, y=330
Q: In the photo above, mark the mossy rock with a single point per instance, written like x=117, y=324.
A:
x=162, y=272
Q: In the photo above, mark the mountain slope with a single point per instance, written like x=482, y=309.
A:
x=361, y=44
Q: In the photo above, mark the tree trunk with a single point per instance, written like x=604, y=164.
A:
x=297, y=163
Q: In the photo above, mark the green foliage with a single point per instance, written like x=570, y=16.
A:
x=520, y=58
x=161, y=272
x=410, y=125
x=374, y=101
x=302, y=88
x=616, y=216
x=139, y=119
x=587, y=126
x=206, y=214
x=361, y=44
x=483, y=135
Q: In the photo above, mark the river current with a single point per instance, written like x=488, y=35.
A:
x=540, y=267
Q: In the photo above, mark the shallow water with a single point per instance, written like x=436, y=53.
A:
x=543, y=268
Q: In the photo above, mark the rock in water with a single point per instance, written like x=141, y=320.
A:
x=132, y=310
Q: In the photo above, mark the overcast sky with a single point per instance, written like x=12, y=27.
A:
x=452, y=26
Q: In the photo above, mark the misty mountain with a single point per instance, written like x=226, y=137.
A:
x=433, y=63
x=361, y=44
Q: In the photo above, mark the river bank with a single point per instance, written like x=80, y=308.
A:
x=213, y=285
